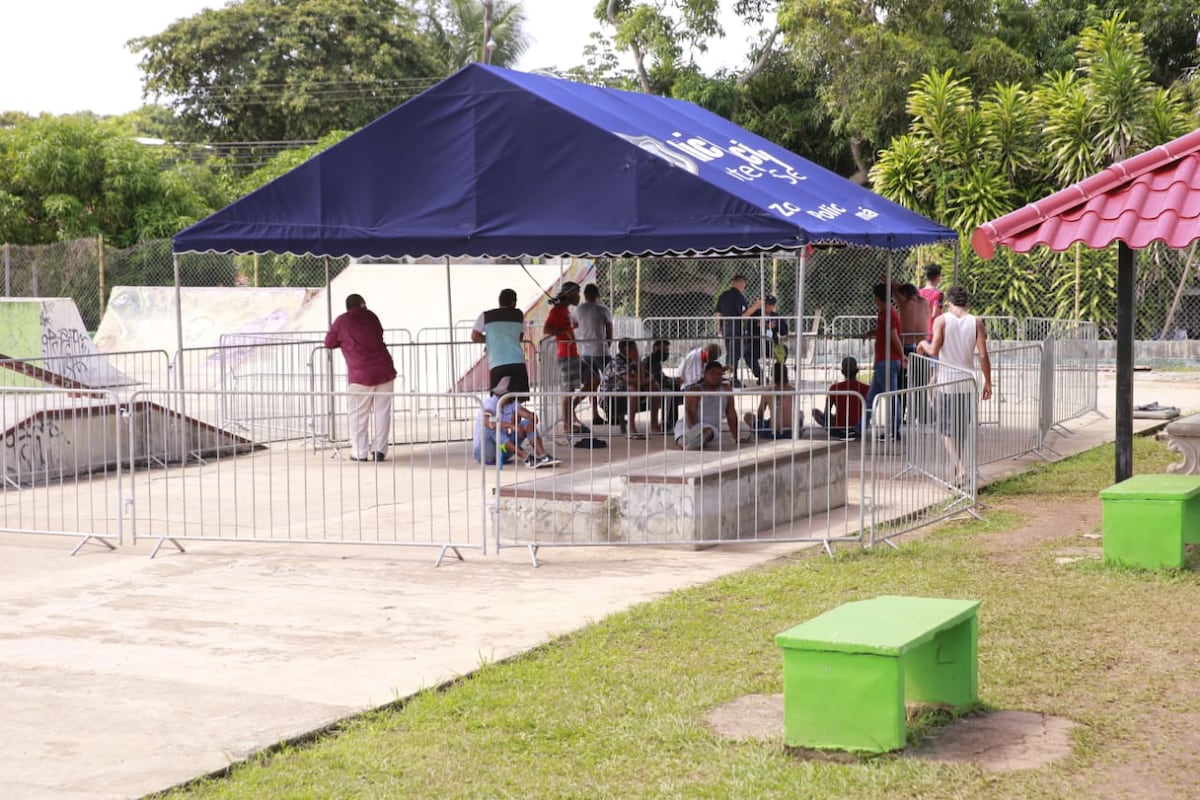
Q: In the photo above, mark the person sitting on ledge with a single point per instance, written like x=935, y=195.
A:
x=622, y=375
x=502, y=428
x=703, y=406
x=774, y=417
x=842, y=410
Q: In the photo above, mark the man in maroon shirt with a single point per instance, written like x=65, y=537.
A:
x=372, y=377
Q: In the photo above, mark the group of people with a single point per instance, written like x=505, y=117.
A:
x=940, y=326
x=750, y=330
x=899, y=331
x=923, y=321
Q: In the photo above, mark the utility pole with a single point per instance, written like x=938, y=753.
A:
x=489, y=44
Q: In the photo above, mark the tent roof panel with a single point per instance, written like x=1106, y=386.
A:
x=501, y=163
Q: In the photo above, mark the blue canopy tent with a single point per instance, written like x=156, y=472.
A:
x=493, y=162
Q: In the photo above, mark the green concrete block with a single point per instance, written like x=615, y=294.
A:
x=1149, y=518
x=848, y=672
x=844, y=701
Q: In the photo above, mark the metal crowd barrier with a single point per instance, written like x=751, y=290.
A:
x=1001, y=328
x=118, y=370
x=62, y=463
x=1076, y=354
x=925, y=475
x=644, y=490
x=189, y=480
x=265, y=448
x=1011, y=420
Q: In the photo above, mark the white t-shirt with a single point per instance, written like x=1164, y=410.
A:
x=590, y=331
x=691, y=367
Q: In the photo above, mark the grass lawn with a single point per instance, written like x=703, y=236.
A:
x=616, y=710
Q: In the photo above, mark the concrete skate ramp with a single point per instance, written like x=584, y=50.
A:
x=86, y=436
x=143, y=317
x=46, y=340
x=412, y=297
x=417, y=297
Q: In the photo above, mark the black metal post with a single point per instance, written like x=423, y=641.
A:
x=1124, y=421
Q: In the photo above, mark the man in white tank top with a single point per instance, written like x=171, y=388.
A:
x=957, y=336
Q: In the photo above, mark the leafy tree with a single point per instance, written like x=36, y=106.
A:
x=1048, y=31
x=867, y=53
x=286, y=70
x=658, y=35
x=870, y=53
x=68, y=177
x=959, y=160
x=965, y=161
x=455, y=29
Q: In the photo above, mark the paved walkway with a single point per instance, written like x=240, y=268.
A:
x=125, y=675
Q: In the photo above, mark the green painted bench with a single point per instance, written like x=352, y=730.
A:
x=848, y=673
x=1148, y=519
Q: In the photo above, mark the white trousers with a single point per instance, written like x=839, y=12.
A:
x=370, y=413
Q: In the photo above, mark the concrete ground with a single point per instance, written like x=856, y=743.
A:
x=126, y=675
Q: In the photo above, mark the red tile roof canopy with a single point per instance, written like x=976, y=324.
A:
x=1152, y=197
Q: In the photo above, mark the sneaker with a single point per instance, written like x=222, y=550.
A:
x=546, y=460
x=377, y=456
x=530, y=460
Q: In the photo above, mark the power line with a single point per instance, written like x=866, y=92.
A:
x=273, y=93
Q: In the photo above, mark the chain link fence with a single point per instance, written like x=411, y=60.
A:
x=87, y=269
x=1078, y=284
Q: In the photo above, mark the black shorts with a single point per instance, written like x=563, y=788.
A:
x=518, y=378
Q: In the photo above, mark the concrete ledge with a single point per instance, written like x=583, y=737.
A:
x=1183, y=438
x=677, y=497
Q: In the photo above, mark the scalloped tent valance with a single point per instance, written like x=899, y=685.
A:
x=492, y=162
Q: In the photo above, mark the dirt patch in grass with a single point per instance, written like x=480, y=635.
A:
x=998, y=741
x=1166, y=738
x=752, y=716
x=1048, y=519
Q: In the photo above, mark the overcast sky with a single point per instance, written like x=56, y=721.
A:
x=62, y=56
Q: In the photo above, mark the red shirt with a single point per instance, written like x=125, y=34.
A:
x=882, y=332
x=847, y=409
x=560, y=317
x=360, y=335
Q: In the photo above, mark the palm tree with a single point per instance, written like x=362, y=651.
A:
x=456, y=30
x=966, y=160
